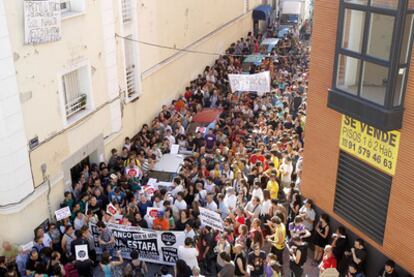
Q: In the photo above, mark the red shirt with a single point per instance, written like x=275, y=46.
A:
x=328, y=262
x=257, y=158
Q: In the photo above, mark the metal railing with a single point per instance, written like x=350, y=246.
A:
x=130, y=80
x=76, y=105
x=126, y=11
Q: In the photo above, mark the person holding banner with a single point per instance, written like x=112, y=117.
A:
x=106, y=238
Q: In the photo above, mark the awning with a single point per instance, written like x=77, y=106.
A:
x=262, y=12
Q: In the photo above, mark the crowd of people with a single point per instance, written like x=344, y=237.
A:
x=247, y=167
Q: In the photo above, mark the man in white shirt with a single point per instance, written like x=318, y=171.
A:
x=286, y=169
x=179, y=204
x=177, y=186
x=257, y=191
x=252, y=208
x=170, y=137
x=211, y=205
x=188, y=253
x=230, y=199
x=189, y=230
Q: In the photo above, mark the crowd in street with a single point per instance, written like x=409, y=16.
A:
x=247, y=168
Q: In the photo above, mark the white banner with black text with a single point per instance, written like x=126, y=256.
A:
x=259, y=82
x=153, y=246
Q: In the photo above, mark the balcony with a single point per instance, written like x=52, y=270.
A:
x=76, y=105
x=130, y=81
x=126, y=11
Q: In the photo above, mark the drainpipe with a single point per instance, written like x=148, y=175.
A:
x=49, y=189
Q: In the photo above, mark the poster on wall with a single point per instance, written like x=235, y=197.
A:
x=259, y=82
x=376, y=147
x=153, y=246
x=42, y=21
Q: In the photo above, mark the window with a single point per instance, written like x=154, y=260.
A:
x=246, y=6
x=131, y=69
x=126, y=11
x=76, y=91
x=389, y=4
x=65, y=6
x=70, y=8
x=374, y=41
x=348, y=74
x=374, y=82
x=353, y=30
x=380, y=36
x=362, y=195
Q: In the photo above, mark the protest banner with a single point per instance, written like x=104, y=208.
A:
x=259, y=82
x=211, y=218
x=62, y=213
x=153, y=246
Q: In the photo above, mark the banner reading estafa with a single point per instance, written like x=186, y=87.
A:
x=374, y=146
x=153, y=246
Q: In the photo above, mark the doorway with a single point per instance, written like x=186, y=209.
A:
x=76, y=170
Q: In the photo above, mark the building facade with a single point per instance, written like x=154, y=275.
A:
x=71, y=92
x=359, y=128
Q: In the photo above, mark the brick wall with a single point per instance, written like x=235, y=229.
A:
x=322, y=145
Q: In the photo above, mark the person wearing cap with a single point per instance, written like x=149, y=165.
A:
x=160, y=222
x=328, y=260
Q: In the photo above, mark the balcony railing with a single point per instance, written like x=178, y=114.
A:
x=126, y=11
x=76, y=105
x=130, y=78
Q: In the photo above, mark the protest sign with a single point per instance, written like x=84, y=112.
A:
x=174, y=149
x=259, y=82
x=152, y=212
x=211, y=218
x=153, y=246
x=62, y=213
x=81, y=252
x=110, y=209
x=151, y=181
x=149, y=190
x=28, y=246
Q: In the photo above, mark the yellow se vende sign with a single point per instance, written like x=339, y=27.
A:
x=376, y=147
